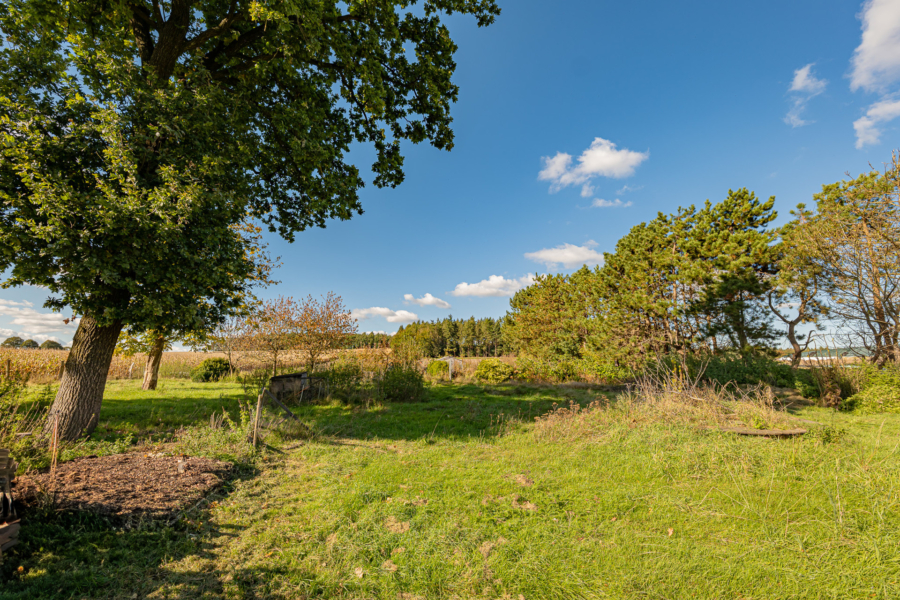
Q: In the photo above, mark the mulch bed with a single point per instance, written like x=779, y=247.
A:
x=124, y=485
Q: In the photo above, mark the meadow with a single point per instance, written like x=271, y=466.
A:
x=510, y=491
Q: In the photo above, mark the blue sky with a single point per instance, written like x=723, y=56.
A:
x=576, y=121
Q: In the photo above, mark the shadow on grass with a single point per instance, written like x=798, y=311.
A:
x=77, y=554
x=451, y=412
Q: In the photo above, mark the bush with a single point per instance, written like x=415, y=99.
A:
x=493, y=370
x=400, y=383
x=438, y=369
x=593, y=367
x=211, y=369
x=748, y=370
x=345, y=380
x=805, y=383
x=880, y=393
x=546, y=371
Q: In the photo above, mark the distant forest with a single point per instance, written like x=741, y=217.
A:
x=447, y=337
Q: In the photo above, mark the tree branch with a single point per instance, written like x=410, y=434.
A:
x=224, y=25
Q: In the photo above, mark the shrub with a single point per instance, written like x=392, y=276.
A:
x=400, y=383
x=544, y=370
x=438, y=369
x=805, y=383
x=211, y=369
x=593, y=367
x=880, y=393
x=345, y=380
x=493, y=370
x=747, y=370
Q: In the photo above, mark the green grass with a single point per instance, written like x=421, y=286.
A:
x=127, y=409
x=623, y=511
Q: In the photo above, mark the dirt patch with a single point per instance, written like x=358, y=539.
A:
x=395, y=526
x=124, y=485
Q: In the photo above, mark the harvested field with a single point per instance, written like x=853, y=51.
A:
x=124, y=485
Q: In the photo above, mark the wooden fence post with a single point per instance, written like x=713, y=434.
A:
x=259, y=405
x=54, y=447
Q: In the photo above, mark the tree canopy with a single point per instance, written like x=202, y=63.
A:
x=138, y=136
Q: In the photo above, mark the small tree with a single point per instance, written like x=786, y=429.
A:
x=30, y=344
x=853, y=238
x=13, y=342
x=322, y=327
x=797, y=286
x=51, y=345
x=150, y=342
x=229, y=338
x=272, y=329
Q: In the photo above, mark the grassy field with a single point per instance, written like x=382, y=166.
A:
x=467, y=496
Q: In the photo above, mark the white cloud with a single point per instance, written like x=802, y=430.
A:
x=587, y=190
x=602, y=159
x=14, y=303
x=876, y=61
x=804, y=88
x=627, y=188
x=569, y=255
x=876, y=66
x=601, y=203
x=392, y=316
x=867, y=130
x=807, y=83
x=427, y=300
x=495, y=285
x=33, y=323
x=376, y=332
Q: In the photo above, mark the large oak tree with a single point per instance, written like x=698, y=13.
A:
x=138, y=137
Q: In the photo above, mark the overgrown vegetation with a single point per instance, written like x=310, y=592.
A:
x=494, y=371
x=211, y=369
x=879, y=393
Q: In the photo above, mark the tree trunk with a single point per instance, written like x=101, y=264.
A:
x=154, y=358
x=77, y=404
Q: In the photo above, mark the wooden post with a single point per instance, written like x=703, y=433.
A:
x=62, y=369
x=7, y=368
x=259, y=405
x=54, y=445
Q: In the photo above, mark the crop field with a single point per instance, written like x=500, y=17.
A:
x=43, y=366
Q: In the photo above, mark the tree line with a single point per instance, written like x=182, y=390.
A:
x=367, y=340
x=455, y=337
x=721, y=277
x=17, y=342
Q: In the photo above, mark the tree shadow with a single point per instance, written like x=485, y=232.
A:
x=81, y=554
x=450, y=412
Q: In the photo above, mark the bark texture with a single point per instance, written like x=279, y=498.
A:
x=77, y=403
x=154, y=359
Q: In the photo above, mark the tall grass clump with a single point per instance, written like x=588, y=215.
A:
x=876, y=390
x=223, y=438
x=21, y=422
x=372, y=376
x=666, y=395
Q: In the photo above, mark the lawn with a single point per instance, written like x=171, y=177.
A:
x=465, y=496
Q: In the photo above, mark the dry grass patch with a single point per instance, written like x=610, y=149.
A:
x=668, y=397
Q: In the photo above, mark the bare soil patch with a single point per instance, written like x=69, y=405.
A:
x=124, y=485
